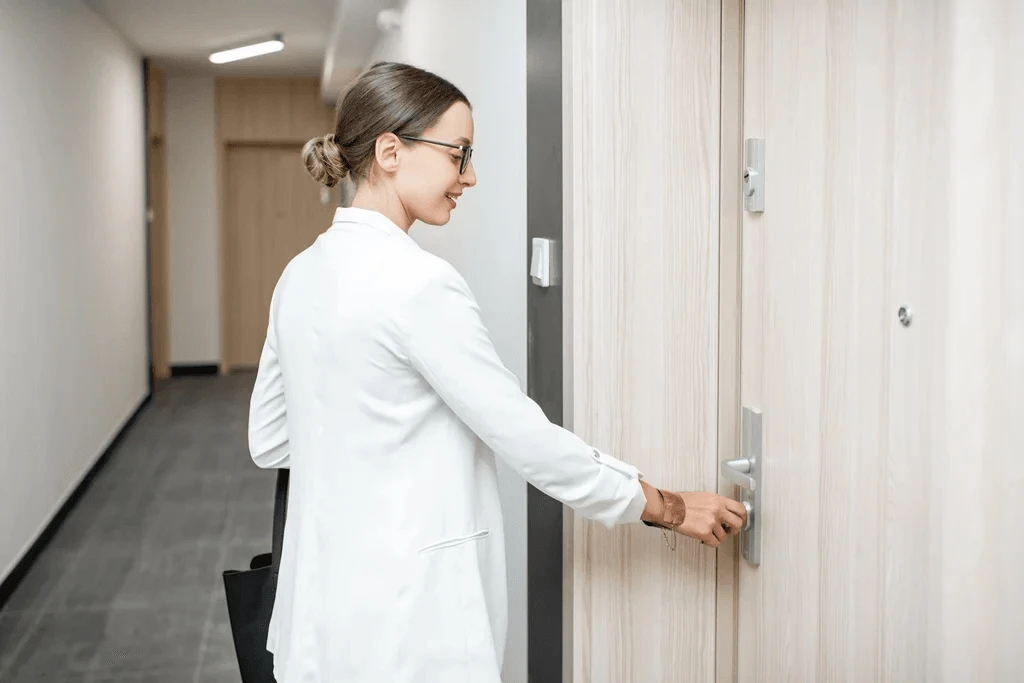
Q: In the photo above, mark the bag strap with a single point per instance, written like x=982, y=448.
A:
x=280, y=512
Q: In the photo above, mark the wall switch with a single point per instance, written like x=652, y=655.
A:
x=544, y=265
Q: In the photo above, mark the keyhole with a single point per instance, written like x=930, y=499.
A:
x=906, y=316
x=748, y=185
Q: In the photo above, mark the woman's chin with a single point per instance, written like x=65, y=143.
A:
x=440, y=217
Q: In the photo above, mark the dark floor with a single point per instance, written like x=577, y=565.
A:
x=130, y=587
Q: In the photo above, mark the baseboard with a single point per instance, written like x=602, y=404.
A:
x=194, y=370
x=21, y=567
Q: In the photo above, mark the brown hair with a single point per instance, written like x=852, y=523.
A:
x=387, y=98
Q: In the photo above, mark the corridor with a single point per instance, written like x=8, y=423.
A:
x=130, y=587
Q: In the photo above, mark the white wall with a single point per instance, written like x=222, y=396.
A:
x=194, y=303
x=73, y=309
x=481, y=48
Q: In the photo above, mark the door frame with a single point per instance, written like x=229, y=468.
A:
x=223, y=149
x=730, y=254
x=295, y=108
x=157, y=233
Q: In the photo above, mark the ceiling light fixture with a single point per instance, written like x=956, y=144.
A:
x=389, y=20
x=263, y=47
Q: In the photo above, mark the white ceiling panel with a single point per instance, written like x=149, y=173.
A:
x=179, y=35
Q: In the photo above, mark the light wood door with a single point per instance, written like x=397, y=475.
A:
x=274, y=210
x=159, y=275
x=892, y=461
x=642, y=232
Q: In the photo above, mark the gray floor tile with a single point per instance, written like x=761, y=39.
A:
x=251, y=523
x=42, y=582
x=130, y=588
x=13, y=629
x=253, y=486
x=226, y=674
x=75, y=529
x=147, y=522
x=219, y=661
x=140, y=640
x=60, y=646
x=188, y=486
x=151, y=576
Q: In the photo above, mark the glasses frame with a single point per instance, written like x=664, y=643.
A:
x=467, y=150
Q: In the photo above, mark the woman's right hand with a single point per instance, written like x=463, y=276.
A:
x=711, y=518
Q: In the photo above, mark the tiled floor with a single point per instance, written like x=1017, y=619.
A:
x=130, y=588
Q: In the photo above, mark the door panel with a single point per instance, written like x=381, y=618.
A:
x=888, y=139
x=641, y=197
x=274, y=211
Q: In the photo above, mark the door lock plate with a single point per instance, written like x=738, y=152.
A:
x=745, y=472
x=753, y=176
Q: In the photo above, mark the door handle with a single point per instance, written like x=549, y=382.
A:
x=745, y=472
x=738, y=472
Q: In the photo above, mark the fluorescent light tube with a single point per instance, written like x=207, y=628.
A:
x=246, y=51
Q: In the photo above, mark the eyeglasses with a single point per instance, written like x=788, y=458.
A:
x=467, y=150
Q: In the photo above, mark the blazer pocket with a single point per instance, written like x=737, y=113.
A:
x=458, y=540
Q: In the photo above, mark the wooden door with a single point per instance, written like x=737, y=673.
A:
x=274, y=211
x=158, y=258
x=882, y=341
x=159, y=250
x=642, y=236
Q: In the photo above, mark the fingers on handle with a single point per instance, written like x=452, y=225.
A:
x=711, y=534
x=733, y=521
x=736, y=507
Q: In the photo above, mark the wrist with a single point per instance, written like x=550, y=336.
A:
x=665, y=509
x=654, y=512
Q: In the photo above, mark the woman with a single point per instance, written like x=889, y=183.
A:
x=379, y=388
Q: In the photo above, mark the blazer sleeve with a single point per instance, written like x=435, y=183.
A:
x=268, y=414
x=446, y=341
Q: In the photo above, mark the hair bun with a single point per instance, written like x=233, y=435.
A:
x=325, y=161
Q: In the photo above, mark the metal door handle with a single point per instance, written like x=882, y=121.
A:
x=738, y=472
x=749, y=507
x=745, y=472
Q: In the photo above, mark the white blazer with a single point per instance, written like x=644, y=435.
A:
x=379, y=388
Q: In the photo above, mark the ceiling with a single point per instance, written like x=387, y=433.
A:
x=179, y=35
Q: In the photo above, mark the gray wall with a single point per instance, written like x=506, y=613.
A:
x=74, y=350
x=544, y=325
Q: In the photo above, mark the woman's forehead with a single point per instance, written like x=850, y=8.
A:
x=456, y=124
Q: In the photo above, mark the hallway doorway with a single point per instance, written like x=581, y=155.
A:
x=274, y=210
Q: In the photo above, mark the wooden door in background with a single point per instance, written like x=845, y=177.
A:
x=883, y=342
x=159, y=249
x=159, y=275
x=274, y=210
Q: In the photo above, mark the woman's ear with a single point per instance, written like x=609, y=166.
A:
x=388, y=145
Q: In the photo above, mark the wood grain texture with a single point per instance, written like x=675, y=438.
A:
x=159, y=236
x=892, y=461
x=643, y=146
x=156, y=105
x=273, y=213
x=271, y=112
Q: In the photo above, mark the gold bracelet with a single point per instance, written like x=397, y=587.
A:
x=666, y=509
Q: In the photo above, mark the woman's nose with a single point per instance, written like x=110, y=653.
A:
x=469, y=177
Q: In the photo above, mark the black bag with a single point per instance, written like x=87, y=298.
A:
x=250, y=597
